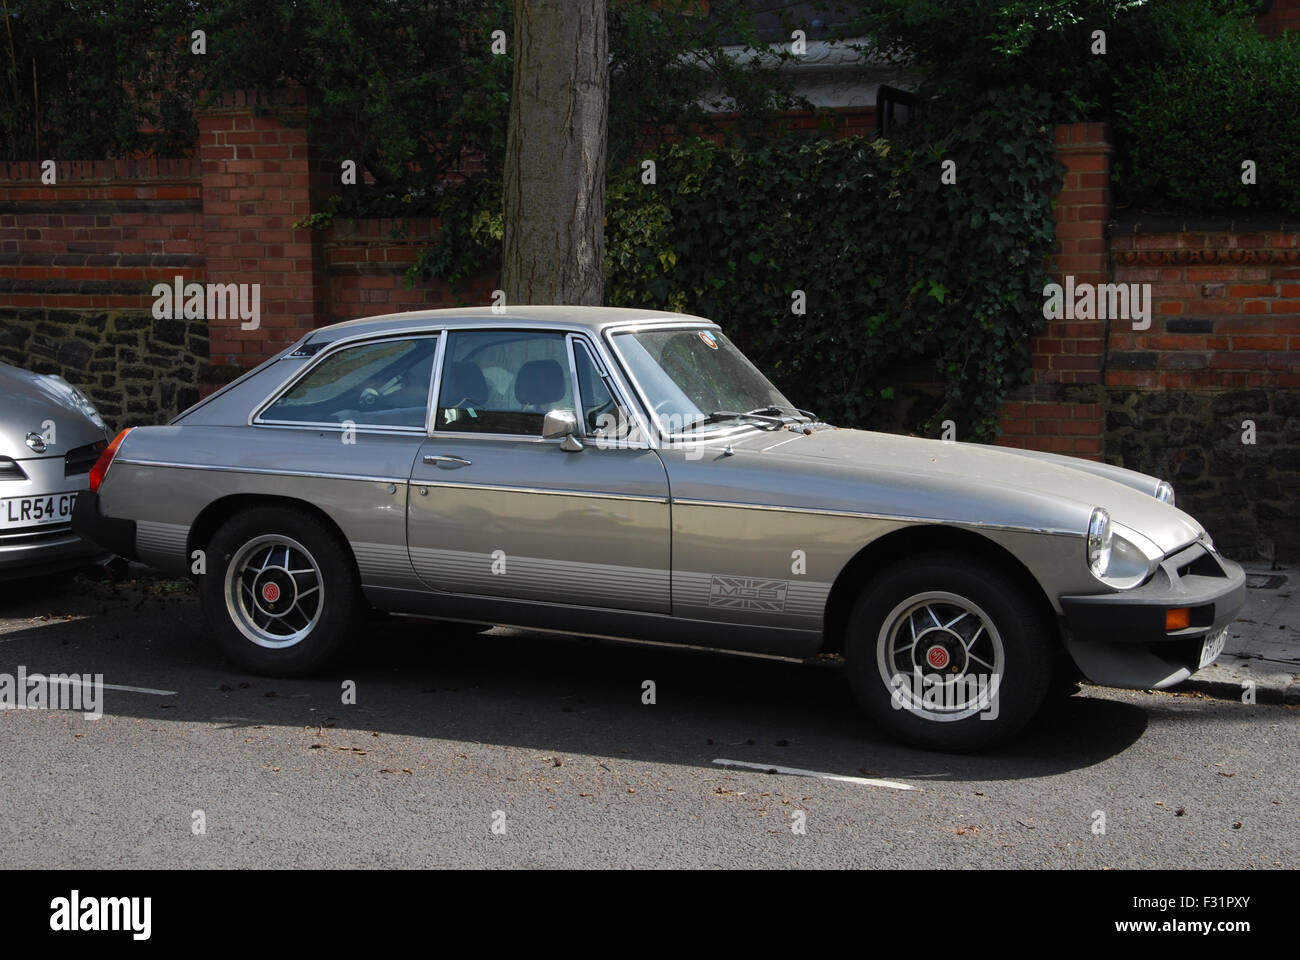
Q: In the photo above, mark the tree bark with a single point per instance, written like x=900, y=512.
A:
x=554, y=245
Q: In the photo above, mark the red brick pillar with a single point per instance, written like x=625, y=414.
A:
x=257, y=179
x=1062, y=409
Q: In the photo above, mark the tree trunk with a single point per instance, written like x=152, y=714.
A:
x=554, y=246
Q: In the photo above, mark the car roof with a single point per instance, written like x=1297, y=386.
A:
x=594, y=319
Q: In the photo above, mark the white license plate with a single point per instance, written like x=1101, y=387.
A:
x=1212, y=647
x=36, y=511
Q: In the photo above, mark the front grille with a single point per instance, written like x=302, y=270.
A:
x=9, y=470
x=28, y=535
x=79, y=460
x=1203, y=566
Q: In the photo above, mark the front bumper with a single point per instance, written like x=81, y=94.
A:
x=37, y=552
x=1119, y=639
x=114, y=535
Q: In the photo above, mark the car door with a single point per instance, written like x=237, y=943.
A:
x=344, y=435
x=496, y=510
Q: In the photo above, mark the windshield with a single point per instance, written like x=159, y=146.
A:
x=695, y=377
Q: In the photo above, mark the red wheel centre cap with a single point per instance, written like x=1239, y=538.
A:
x=270, y=592
x=937, y=657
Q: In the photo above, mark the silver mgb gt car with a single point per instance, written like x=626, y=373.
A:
x=629, y=473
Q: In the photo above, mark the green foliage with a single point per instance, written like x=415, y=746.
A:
x=1190, y=86
x=668, y=74
x=406, y=88
x=1184, y=123
x=85, y=81
x=977, y=45
x=905, y=277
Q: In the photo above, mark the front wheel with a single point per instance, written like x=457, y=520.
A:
x=948, y=655
x=280, y=592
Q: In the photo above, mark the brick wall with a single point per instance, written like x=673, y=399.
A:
x=366, y=263
x=1061, y=411
x=256, y=181
x=1282, y=15
x=78, y=261
x=1209, y=396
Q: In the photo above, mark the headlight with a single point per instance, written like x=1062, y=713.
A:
x=1165, y=492
x=80, y=401
x=1099, y=542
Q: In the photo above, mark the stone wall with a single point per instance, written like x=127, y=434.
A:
x=1209, y=396
x=1247, y=494
x=136, y=369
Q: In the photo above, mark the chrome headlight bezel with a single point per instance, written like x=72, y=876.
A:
x=1165, y=492
x=1098, y=543
x=1118, y=556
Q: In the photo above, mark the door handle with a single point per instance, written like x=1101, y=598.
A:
x=447, y=461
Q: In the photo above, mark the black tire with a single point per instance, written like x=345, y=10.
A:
x=320, y=630
x=1003, y=691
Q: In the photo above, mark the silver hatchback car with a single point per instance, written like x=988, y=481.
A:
x=50, y=438
x=629, y=473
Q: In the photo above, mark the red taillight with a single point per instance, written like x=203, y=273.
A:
x=98, y=471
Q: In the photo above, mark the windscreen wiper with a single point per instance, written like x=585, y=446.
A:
x=773, y=408
x=719, y=415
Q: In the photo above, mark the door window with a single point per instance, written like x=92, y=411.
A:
x=503, y=381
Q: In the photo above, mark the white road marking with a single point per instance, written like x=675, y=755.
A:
x=109, y=686
x=796, y=772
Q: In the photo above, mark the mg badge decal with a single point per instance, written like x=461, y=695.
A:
x=748, y=593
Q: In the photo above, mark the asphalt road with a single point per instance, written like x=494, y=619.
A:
x=547, y=739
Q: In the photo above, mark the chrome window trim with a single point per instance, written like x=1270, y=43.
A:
x=665, y=438
x=484, y=435
x=624, y=408
x=255, y=417
x=263, y=471
x=340, y=428
x=573, y=381
x=435, y=384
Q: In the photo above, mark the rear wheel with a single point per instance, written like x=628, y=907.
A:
x=280, y=592
x=947, y=654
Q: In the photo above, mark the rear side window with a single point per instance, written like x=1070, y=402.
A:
x=503, y=381
x=380, y=384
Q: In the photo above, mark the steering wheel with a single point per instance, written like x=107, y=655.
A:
x=369, y=395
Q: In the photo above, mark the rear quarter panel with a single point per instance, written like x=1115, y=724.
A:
x=165, y=477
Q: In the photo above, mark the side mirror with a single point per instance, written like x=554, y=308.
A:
x=562, y=423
